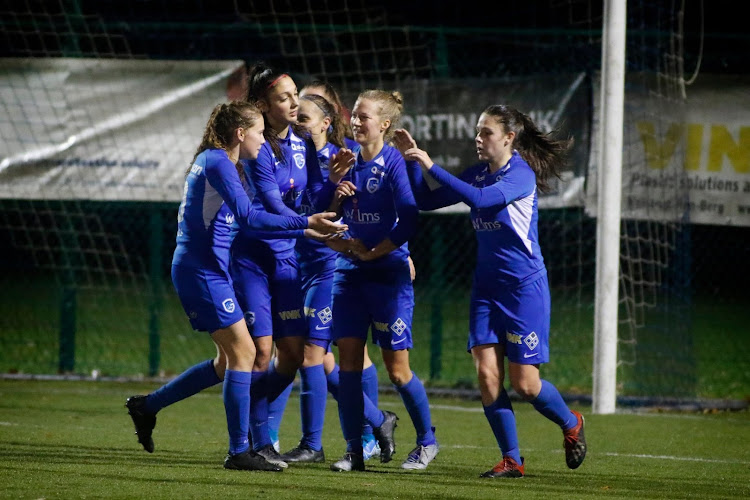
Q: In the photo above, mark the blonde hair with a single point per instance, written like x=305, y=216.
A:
x=390, y=106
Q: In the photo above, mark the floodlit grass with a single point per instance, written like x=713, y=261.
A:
x=75, y=440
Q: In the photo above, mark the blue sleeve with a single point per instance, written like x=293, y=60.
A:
x=223, y=177
x=496, y=195
x=279, y=235
x=406, y=205
x=428, y=199
x=265, y=184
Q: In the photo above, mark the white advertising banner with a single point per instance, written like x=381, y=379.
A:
x=100, y=129
x=684, y=161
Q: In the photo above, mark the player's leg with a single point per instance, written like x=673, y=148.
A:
x=392, y=319
x=370, y=444
x=236, y=343
x=528, y=311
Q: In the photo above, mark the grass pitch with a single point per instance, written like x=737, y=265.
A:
x=75, y=440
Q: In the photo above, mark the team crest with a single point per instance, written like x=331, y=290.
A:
x=325, y=315
x=398, y=327
x=250, y=318
x=228, y=305
x=299, y=160
x=373, y=184
x=531, y=340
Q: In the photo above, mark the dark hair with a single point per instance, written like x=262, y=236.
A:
x=261, y=79
x=333, y=97
x=545, y=155
x=391, y=104
x=224, y=120
x=335, y=135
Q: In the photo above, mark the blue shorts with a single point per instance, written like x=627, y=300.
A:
x=270, y=293
x=518, y=318
x=383, y=303
x=207, y=298
x=318, y=313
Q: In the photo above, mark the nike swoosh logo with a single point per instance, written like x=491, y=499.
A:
x=324, y=328
x=530, y=355
x=394, y=342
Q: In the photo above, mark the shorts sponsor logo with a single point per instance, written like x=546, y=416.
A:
x=229, y=218
x=381, y=327
x=291, y=314
x=325, y=316
x=395, y=342
x=531, y=340
x=228, y=305
x=309, y=312
x=318, y=327
x=398, y=327
x=513, y=338
x=527, y=355
x=193, y=315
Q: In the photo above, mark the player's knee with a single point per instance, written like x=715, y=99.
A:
x=526, y=389
x=400, y=377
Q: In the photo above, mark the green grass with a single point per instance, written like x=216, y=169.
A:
x=75, y=440
x=703, y=355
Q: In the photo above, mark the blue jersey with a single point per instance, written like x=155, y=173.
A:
x=312, y=255
x=503, y=213
x=213, y=200
x=382, y=207
x=278, y=186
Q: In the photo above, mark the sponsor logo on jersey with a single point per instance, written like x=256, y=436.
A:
x=531, y=340
x=513, y=338
x=196, y=169
x=229, y=218
x=325, y=315
x=481, y=225
x=228, y=305
x=398, y=327
x=299, y=160
x=297, y=145
x=354, y=215
x=291, y=314
x=381, y=327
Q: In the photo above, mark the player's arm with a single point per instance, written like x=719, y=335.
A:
x=223, y=177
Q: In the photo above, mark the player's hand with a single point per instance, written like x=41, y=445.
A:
x=412, y=270
x=420, y=156
x=323, y=223
x=340, y=245
x=316, y=236
x=344, y=190
x=403, y=140
x=339, y=164
x=360, y=251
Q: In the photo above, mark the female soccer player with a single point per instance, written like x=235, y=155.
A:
x=372, y=283
x=317, y=263
x=326, y=90
x=510, y=302
x=265, y=271
x=213, y=199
